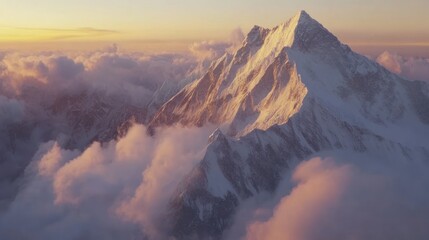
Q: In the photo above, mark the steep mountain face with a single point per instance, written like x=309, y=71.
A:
x=287, y=93
x=257, y=86
x=88, y=117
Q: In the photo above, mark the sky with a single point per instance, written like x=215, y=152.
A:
x=161, y=23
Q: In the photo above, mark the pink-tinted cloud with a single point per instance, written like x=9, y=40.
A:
x=349, y=200
x=177, y=152
x=135, y=76
x=413, y=68
x=19, y=70
x=109, y=191
x=211, y=50
x=67, y=96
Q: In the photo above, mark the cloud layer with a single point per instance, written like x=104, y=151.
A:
x=134, y=75
x=211, y=50
x=413, y=68
x=76, y=98
x=52, y=186
x=327, y=198
x=109, y=191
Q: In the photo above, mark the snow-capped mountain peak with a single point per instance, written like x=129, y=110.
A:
x=258, y=85
x=301, y=31
x=309, y=33
x=256, y=36
x=288, y=92
x=266, y=81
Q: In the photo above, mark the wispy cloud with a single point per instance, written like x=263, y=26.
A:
x=413, y=68
x=32, y=34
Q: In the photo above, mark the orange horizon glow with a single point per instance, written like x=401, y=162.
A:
x=171, y=26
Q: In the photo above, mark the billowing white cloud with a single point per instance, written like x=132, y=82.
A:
x=75, y=98
x=120, y=189
x=21, y=71
x=177, y=152
x=211, y=50
x=133, y=75
x=413, y=68
x=336, y=199
x=236, y=38
x=114, y=190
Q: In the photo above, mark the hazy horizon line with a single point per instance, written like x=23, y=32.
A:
x=419, y=49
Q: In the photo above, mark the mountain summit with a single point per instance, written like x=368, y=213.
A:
x=287, y=93
x=255, y=87
x=266, y=81
x=301, y=31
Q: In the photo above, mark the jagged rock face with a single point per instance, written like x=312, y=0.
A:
x=235, y=169
x=257, y=86
x=289, y=92
x=266, y=81
x=89, y=117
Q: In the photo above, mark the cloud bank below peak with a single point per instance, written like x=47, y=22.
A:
x=116, y=190
x=413, y=68
x=346, y=197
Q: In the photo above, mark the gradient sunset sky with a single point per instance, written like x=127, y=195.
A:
x=168, y=22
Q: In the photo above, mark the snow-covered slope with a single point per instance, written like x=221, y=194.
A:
x=255, y=87
x=289, y=92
